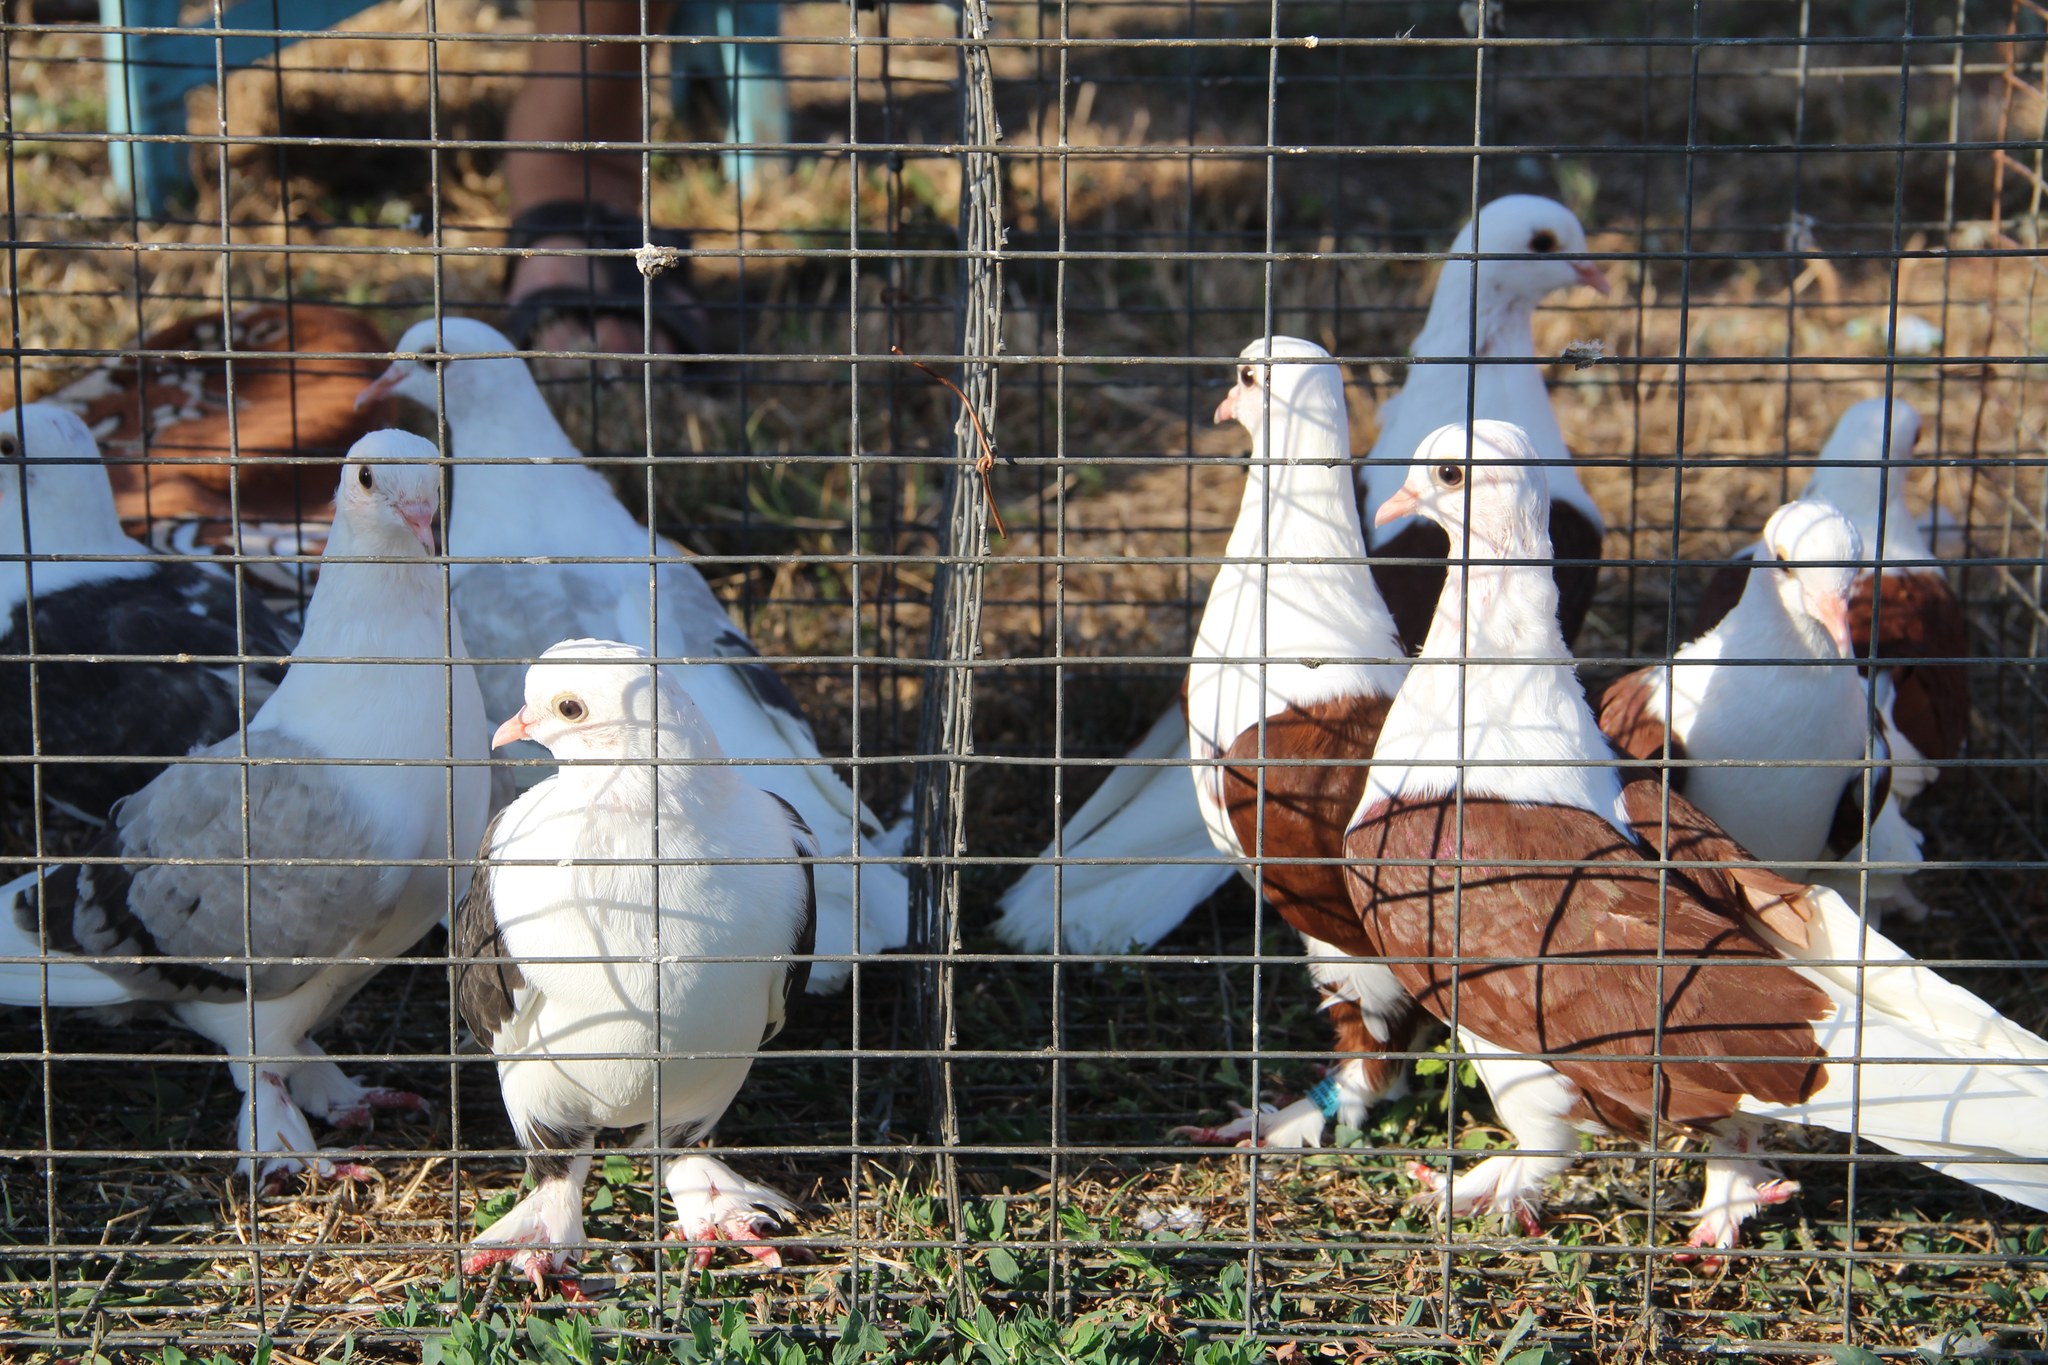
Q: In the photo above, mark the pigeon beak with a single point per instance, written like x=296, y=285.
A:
x=1591, y=276
x=513, y=730
x=382, y=387
x=1226, y=411
x=1402, y=504
x=420, y=517
x=1831, y=609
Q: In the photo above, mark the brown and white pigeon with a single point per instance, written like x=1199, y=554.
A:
x=1296, y=661
x=1130, y=864
x=1774, y=683
x=1902, y=611
x=215, y=430
x=1502, y=875
x=627, y=948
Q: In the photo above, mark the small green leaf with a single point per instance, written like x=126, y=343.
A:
x=1003, y=1266
x=1515, y=1334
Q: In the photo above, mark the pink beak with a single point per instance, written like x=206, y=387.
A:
x=420, y=517
x=1831, y=609
x=1589, y=275
x=1226, y=411
x=512, y=730
x=1402, y=504
x=383, y=386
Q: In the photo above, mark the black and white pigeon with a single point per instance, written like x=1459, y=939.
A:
x=522, y=492
x=115, y=625
x=1543, y=245
x=580, y=962
x=163, y=926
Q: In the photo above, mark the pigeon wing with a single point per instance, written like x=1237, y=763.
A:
x=194, y=910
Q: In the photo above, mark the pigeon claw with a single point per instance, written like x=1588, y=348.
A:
x=742, y=1231
x=534, y=1266
x=375, y=1100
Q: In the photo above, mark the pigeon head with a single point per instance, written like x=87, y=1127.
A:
x=390, y=492
x=426, y=367
x=1527, y=225
x=1485, y=486
x=599, y=699
x=1814, y=553
x=1298, y=398
x=50, y=461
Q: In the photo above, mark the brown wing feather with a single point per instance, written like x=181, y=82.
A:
x=1629, y=723
x=1542, y=959
x=1919, y=619
x=483, y=988
x=1306, y=808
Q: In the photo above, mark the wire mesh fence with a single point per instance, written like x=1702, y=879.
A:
x=911, y=476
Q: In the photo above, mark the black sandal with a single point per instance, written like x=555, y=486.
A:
x=616, y=286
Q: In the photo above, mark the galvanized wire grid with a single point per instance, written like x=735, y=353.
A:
x=1075, y=211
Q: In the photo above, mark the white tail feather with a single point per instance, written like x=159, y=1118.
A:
x=1139, y=812
x=1947, y=1078
x=64, y=983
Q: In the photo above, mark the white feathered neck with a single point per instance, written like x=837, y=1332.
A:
x=68, y=518
x=1494, y=726
x=522, y=486
x=1433, y=394
x=1299, y=504
x=395, y=609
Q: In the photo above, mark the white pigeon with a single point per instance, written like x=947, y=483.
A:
x=1773, y=683
x=1500, y=322
x=1297, y=660
x=581, y=964
x=524, y=493
x=117, y=621
x=170, y=936
x=1861, y=471
x=1159, y=865
x=1500, y=874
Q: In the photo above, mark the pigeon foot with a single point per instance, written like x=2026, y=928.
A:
x=1505, y=1186
x=714, y=1203
x=1299, y=1124
x=1735, y=1191
x=326, y=1092
x=540, y=1236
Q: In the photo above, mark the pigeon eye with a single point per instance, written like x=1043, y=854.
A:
x=1450, y=475
x=9, y=447
x=1248, y=376
x=364, y=477
x=570, y=709
x=1544, y=240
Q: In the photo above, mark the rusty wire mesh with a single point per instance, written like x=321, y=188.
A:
x=1076, y=211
